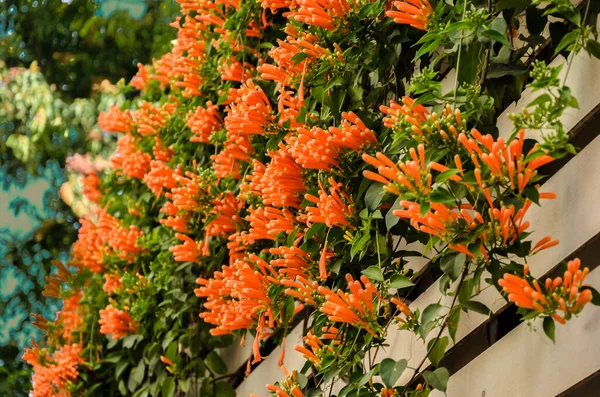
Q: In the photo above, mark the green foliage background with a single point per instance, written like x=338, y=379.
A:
x=52, y=54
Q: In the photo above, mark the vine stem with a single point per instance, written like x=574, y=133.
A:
x=572, y=54
x=442, y=328
x=458, y=57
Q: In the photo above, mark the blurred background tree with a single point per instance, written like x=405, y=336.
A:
x=59, y=61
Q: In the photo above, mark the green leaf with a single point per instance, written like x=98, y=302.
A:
x=453, y=265
x=540, y=100
x=437, y=379
x=215, y=363
x=504, y=4
x=390, y=371
x=566, y=41
x=392, y=220
x=374, y=195
x=430, y=312
x=497, y=70
x=437, y=351
x=478, y=307
x=399, y=281
x=224, y=389
x=168, y=387
x=593, y=48
x=370, y=10
x=549, y=328
x=496, y=36
x=444, y=176
x=453, y=322
x=469, y=63
x=373, y=273
x=138, y=373
x=299, y=57
x=443, y=196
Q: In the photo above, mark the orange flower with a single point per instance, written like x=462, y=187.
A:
x=288, y=387
x=267, y=222
x=330, y=209
x=315, y=350
x=325, y=14
x=251, y=113
x=116, y=322
x=416, y=13
x=129, y=159
x=411, y=176
x=402, y=308
x=354, y=308
x=301, y=289
x=506, y=162
x=236, y=296
x=203, y=122
x=294, y=261
x=414, y=114
x=112, y=283
x=91, y=187
x=189, y=251
x=566, y=294
x=140, y=80
x=161, y=177
x=160, y=152
x=233, y=70
x=165, y=360
x=226, y=163
x=224, y=215
x=282, y=183
x=321, y=149
x=116, y=120
x=89, y=247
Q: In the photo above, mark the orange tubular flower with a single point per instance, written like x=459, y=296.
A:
x=294, y=261
x=330, y=209
x=412, y=176
x=225, y=213
x=89, y=247
x=506, y=162
x=354, y=308
x=116, y=120
x=267, y=222
x=236, y=295
x=406, y=111
x=91, y=187
x=287, y=388
x=112, y=283
x=160, y=177
x=189, y=251
x=402, y=308
x=301, y=289
x=53, y=374
x=140, y=80
x=226, y=163
x=129, y=159
x=325, y=14
x=416, y=13
x=282, y=182
x=233, y=70
x=251, y=113
x=315, y=350
x=203, y=122
x=320, y=149
x=166, y=360
x=567, y=294
x=116, y=322
x=283, y=55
